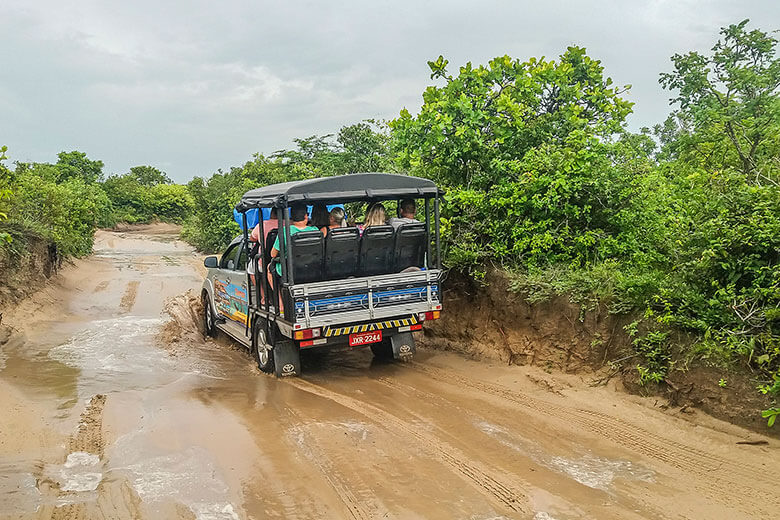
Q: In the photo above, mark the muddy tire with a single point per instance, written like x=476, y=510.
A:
x=209, y=319
x=383, y=349
x=261, y=349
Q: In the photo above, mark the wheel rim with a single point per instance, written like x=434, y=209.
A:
x=262, y=349
x=209, y=317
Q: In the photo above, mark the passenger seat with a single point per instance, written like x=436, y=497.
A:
x=342, y=246
x=307, y=253
x=376, y=250
x=410, y=246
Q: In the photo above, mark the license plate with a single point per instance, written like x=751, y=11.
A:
x=365, y=338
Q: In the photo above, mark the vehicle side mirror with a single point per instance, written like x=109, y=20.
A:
x=210, y=262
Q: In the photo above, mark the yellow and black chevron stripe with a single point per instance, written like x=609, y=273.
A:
x=331, y=332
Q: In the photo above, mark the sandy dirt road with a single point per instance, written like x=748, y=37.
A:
x=100, y=417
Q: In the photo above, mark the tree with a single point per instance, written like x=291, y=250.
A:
x=363, y=148
x=528, y=150
x=728, y=110
x=148, y=176
x=76, y=164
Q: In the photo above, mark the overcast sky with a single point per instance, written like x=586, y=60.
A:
x=194, y=86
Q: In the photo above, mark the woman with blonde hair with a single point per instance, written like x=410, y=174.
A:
x=376, y=215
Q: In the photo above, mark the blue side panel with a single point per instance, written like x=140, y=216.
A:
x=252, y=215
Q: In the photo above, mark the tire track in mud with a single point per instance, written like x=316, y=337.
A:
x=357, y=499
x=720, y=474
x=632, y=503
x=128, y=298
x=88, y=438
x=501, y=488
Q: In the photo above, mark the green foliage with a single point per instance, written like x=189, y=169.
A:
x=729, y=111
x=359, y=147
x=67, y=212
x=528, y=151
x=76, y=165
x=5, y=194
x=146, y=194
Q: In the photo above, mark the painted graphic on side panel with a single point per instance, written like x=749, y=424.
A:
x=231, y=300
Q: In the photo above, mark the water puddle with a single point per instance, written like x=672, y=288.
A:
x=188, y=477
x=18, y=490
x=81, y=472
x=589, y=470
x=117, y=354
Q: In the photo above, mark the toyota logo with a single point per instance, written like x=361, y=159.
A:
x=405, y=349
x=288, y=368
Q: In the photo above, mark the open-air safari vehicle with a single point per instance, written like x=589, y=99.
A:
x=346, y=289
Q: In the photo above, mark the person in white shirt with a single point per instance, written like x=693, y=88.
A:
x=407, y=208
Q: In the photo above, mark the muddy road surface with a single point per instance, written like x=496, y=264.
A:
x=107, y=412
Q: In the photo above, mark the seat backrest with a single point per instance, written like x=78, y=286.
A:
x=269, y=243
x=376, y=250
x=410, y=246
x=306, y=248
x=341, y=253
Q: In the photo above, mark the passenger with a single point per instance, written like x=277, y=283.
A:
x=268, y=225
x=298, y=219
x=376, y=216
x=336, y=220
x=407, y=209
x=319, y=216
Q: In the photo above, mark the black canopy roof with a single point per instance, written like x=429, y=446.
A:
x=342, y=188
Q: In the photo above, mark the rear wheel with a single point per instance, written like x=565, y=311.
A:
x=383, y=349
x=209, y=320
x=261, y=349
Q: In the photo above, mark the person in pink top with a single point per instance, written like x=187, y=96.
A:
x=268, y=225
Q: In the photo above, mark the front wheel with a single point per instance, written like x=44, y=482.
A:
x=209, y=320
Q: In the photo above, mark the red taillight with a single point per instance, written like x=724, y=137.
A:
x=307, y=334
x=430, y=315
x=307, y=343
x=416, y=327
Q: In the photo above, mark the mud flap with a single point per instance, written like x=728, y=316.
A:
x=403, y=346
x=287, y=359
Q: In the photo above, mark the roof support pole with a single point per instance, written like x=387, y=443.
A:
x=438, y=237
x=248, y=278
x=429, y=257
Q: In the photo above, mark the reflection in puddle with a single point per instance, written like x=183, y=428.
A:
x=589, y=470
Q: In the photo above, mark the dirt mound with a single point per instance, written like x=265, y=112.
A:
x=492, y=322
x=186, y=323
x=26, y=266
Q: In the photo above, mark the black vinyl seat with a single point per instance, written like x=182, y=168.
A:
x=410, y=246
x=342, y=246
x=269, y=244
x=376, y=250
x=306, y=248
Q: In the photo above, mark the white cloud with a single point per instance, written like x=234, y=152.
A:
x=196, y=86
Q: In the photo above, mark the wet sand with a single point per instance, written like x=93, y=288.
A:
x=101, y=417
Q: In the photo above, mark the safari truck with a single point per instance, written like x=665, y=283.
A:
x=351, y=288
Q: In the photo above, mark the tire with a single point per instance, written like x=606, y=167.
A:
x=209, y=319
x=383, y=349
x=261, y=349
